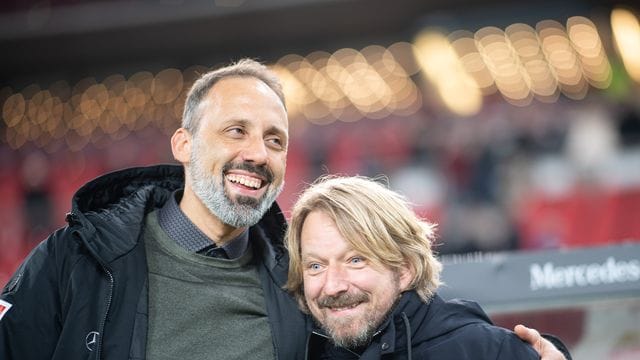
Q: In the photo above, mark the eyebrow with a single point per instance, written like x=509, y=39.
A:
x=309, y=257
x=316, y=257
x=278, y=131
x=306, y=256
x=246, y=123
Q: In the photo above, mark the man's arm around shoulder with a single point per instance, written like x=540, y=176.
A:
x=548, y=346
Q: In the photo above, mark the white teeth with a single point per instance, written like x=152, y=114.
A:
x=346, y=307
x=245, y=180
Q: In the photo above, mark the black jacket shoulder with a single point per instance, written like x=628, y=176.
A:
x=435, y=330
x=81, y=292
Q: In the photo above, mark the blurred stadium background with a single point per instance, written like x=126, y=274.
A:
x=514, y=126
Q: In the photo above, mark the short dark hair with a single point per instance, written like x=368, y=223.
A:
x=199, y=90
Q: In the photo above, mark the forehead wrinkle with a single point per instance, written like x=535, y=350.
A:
x=343, y=254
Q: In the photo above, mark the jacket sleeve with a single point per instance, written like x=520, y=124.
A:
x=512, y=347
x=30, y=328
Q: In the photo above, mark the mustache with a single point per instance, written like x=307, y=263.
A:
x=342, y=300
x=262, y=170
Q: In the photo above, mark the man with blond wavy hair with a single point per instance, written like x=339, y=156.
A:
x=362, y=264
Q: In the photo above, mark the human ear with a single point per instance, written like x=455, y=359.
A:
x=407, y=274
x=181, y=145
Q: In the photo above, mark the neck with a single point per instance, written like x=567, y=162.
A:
x=207, y=222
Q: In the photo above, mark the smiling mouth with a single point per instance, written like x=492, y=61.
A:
x=246, y=181
x=344, y=307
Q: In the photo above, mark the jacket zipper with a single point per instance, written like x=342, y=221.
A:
x=104, y=318
x=71, y=217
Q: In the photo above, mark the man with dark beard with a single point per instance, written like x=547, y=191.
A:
x=173, y=262
x=361, y=263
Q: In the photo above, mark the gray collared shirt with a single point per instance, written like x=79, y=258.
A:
x=186, y=234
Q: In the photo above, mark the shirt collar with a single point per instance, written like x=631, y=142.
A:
x=187, y=235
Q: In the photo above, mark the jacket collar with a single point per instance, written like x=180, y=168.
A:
x=412, y=321
x=108, y=215
x=387, y=336
x=396, y=332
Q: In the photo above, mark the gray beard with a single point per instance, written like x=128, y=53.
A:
x=362, y=338
x=244, y=212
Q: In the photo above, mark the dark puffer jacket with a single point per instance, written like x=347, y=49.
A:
x=82, y=293
x=438, y=330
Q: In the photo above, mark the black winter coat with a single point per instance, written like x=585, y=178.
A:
x=455, y=329
x=82, y=293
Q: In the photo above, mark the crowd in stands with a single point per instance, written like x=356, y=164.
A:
x=545, y=176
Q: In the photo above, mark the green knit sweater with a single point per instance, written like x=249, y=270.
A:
x=202, y=307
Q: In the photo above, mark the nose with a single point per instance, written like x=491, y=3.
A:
x=255, y=151
x=336, y=281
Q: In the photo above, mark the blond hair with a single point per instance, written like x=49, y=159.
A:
x=377, y=222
